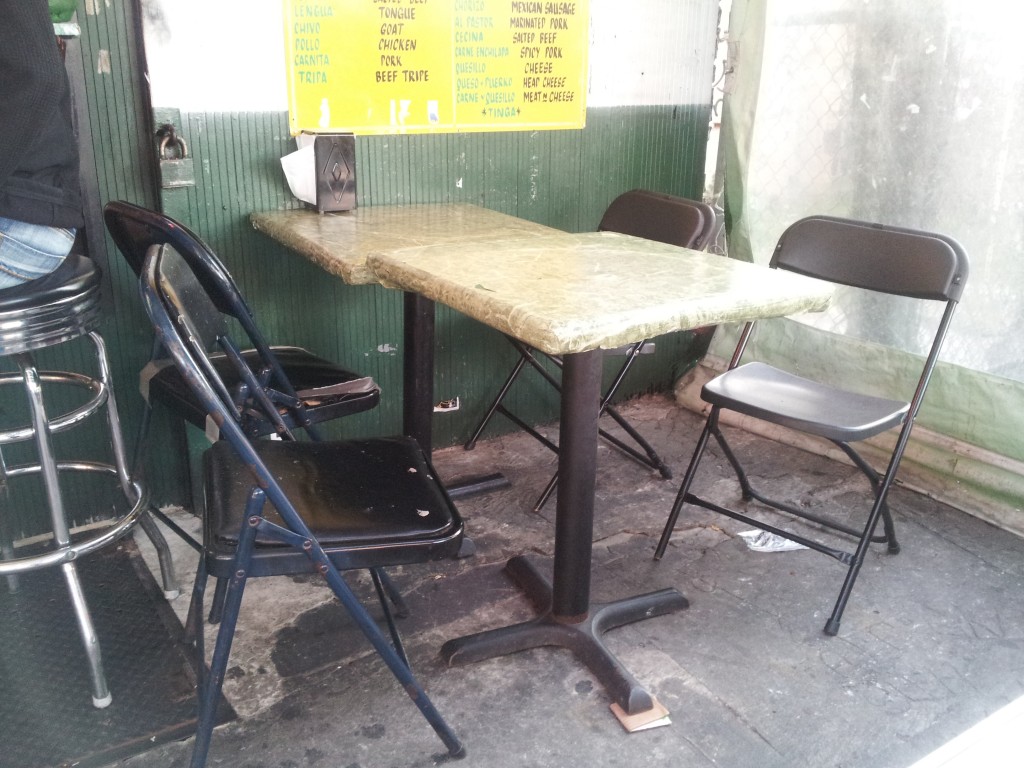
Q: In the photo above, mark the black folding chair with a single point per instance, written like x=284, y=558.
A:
x=286, y=507
x=305, y=389
x=887, y=260
x=642, y=213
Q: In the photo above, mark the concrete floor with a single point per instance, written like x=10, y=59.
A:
x=931, y=643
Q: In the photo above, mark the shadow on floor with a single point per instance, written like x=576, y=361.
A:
x=932, y=640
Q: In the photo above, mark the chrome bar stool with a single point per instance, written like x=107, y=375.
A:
x=51, y=310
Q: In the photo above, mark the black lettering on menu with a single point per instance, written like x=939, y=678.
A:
x=537, y=32
x=398, y=43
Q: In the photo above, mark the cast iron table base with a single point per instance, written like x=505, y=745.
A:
x=582, y=636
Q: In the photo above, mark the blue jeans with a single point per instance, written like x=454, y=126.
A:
x=28, y=251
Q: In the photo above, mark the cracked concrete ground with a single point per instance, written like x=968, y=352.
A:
x=931, y=643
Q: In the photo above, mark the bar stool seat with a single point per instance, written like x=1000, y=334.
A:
x=52, y=310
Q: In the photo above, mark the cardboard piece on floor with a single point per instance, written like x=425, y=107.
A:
x=654, y=717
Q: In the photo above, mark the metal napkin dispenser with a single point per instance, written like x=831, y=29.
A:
x=335, y=159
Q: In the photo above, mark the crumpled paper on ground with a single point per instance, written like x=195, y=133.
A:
x=763, y=541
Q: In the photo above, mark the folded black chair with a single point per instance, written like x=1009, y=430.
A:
x=286, y=507
x=306, y=389
x=642, y=213
x=888, y=260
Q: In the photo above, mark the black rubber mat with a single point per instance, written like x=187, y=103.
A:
x=46, y=714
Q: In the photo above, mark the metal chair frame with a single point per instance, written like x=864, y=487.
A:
x=286, y=543
x=890, y=260
x=284, y=375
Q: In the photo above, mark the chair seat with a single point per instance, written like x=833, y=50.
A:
x=765, y=392
x=369, y=502
x=306, y=371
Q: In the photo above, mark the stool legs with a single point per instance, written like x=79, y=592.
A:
x=163, y=553
x=62, y=537
x=100, y=693
x=6, y=537
x=49, y=471
x=124, y=472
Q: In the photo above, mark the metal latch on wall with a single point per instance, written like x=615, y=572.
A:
x=175, y=164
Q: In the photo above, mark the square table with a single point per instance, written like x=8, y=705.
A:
x=340, y=243
x=574, y=295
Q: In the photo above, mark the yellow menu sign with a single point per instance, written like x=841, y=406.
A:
x=419, y=66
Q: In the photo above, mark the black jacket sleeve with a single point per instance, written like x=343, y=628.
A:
x=31, y=78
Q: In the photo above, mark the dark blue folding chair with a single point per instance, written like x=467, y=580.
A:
x=276, y=507
x=306, y=390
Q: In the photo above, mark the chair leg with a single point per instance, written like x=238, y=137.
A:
x=141, y=440
x=876, y=483
x=546, y=493
x=526, y=356
x=217, y=604
x=832, y=625
x=471, y=443
x=399, y=668
x=134, y=470
x=401, y=610
x=192, y=636
x=180, y=532
x=210, y=692
x=213, y=683
x=684, y=489
x=652, y=458
x=100, y=692
x=649, y=456
x=396, y=639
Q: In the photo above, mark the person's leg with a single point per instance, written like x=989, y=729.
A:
x=28, y=251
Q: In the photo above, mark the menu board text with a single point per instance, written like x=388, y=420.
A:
x=418, y=66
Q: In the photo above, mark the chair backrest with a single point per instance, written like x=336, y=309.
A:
x=172, y=293
x=894, y=260
x=134, y=229
x=661, y=217
x=177, y=307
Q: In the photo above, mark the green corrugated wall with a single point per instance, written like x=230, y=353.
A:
x=558, y=178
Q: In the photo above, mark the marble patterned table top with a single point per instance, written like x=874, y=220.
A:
x=340, y=242
x=565, y=293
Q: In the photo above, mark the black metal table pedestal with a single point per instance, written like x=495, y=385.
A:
x=568, y=619
x=583, y=638
x=418, y=398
